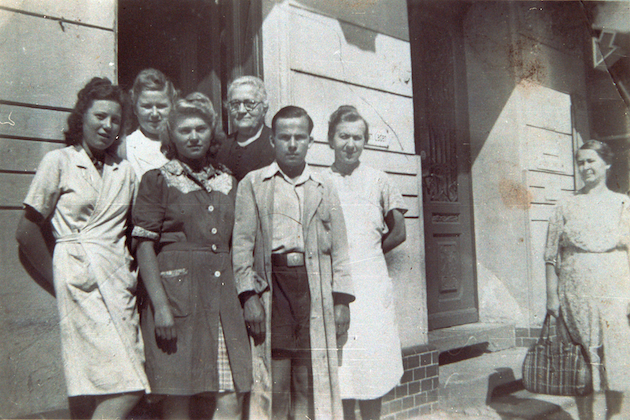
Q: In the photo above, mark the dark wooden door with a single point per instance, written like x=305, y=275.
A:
x=200, y=45
x=442, y=138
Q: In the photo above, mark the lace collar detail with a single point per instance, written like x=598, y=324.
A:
x=210, y=178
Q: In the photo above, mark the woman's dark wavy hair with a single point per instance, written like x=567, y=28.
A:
x=345, y=113
x=99, y=88
x=602, y=149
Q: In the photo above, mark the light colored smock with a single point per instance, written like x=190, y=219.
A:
x=143, y=153
x=101, y=343
x=587, y=241
x=326, y=258
x=371, y=359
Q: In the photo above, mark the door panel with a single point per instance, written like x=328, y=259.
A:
x=440, y=101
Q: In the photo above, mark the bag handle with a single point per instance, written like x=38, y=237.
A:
x=563, y=331
x=545, y=335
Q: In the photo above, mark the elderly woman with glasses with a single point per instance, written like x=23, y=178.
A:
x=197, y=348
x=248, y=147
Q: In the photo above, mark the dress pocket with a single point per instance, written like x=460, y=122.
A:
x=176, y=285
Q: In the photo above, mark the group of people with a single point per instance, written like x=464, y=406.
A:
x=222, y=276
x=262, y=284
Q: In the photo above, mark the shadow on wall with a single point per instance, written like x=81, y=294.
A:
x=511, y=43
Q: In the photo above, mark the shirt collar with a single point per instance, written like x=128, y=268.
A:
x=251, y=139
x=273, y=170
x=108, y=158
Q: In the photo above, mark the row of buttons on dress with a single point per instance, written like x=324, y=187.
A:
x=214, y=232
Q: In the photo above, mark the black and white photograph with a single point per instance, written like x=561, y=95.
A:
x=315, y=209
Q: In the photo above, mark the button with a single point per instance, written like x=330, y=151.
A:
x=213, y=231
x=210, y=208
x=214, y=247
x=217, y=274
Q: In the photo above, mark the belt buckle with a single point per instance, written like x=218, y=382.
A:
x=295, y=259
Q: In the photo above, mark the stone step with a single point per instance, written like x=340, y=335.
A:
x=471, y=382
x=495, y=336
x=489, y=386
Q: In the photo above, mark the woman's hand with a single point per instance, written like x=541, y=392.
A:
x=165, y=323
x=553, y=301
x=342, y=318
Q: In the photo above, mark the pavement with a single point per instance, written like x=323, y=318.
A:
x=487, y=386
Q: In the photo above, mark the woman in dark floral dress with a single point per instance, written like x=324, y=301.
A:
x=196, y=341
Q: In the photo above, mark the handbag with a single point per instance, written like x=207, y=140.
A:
x=556, y=365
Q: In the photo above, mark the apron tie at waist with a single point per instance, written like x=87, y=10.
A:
x=79, y=238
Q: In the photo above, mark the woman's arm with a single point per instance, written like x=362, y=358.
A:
x=397, y=233
x=150, y=272
x=553, y=301
x=33, y=243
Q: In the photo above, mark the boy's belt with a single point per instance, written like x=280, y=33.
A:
x=290, y=259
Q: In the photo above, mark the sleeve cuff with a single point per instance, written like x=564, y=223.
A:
x=140, y=232
x=243, y=297
x=342, y=298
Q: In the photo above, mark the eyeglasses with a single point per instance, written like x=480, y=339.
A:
x=249, y=105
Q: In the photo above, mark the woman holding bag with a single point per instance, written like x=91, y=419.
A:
x=588, y=277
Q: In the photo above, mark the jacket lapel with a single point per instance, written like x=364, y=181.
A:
x=264, y=201
x=312, y=197
x=88, y=171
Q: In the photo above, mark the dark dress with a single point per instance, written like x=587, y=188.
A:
x=191, y=218
x=242, y=160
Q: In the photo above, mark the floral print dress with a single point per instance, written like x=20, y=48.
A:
x=587, y=241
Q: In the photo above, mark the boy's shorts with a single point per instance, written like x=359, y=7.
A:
x=290, y=313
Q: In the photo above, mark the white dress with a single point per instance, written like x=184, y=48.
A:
x=371, y=360
x=101, y=344
x=143, y=153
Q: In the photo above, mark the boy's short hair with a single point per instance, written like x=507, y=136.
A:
x=289, y=112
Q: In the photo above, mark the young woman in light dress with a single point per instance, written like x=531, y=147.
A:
x=85, y=191
x=588, y=279
x=371, y=361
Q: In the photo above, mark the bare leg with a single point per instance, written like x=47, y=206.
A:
x=281, y=400
x=585, y=406
x=176, y=408
x=348, y=409
x=303, y=394
x=202, y=406
x=370, y=409
x=617, y=405
x=116, y=406
x=229, y=406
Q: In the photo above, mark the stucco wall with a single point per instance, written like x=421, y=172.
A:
x=320, y=55
x=510, y=44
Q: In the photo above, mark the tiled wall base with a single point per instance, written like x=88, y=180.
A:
x=417, y=393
